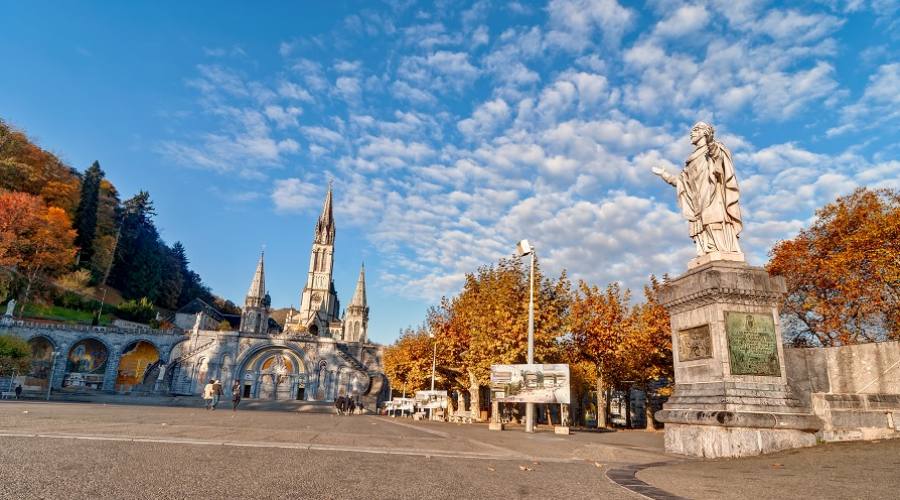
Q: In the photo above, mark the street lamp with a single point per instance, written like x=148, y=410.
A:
x=523, y=248
x=50, y=376
x=433, y=358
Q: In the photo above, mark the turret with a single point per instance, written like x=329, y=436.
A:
x=255, y=313
x=356, y=317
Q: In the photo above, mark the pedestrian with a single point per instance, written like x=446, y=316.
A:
x=235, y=395
x=217, y=393
x=343, y=405
x=208, y=394
x=18, y=391
x=337, y=405
x=351, y=406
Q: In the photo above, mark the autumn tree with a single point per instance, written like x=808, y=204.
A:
x=843, y=272
x=487, y=323
x=407, y=363
x=645, y=352
x=86, y=215
x=35, y=239
x=599, y=320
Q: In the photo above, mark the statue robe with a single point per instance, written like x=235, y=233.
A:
x=708, y=196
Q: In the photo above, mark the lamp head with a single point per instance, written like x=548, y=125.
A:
x=524, y=248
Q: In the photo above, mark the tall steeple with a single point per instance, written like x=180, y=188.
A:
x=255, y=313
x=319, y=306
x=257, y=292
x=359, y=295
x=325, y=225
x=356, y=317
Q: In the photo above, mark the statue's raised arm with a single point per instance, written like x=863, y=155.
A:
x=708, y=196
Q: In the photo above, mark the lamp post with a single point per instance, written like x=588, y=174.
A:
x=50, y=376
x=433, y=358
x=523, y=249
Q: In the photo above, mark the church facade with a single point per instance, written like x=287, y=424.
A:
x=318, y=353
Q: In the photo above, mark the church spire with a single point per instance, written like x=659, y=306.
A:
x=325, y=225
x=257, y=291
x=359, y=296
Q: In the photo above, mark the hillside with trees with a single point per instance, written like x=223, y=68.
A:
x=67, y=240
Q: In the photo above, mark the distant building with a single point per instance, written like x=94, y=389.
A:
x=317, y=355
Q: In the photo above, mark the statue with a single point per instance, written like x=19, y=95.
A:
x=10, y=307
x=708, y=196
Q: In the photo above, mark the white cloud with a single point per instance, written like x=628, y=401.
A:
x=574, y=23
x=686, y=20
x=295, y=195
x=485, y=119
x=878, y=106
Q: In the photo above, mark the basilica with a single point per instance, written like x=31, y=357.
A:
x=317, y=353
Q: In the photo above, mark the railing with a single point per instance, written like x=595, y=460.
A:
x=191, y=352
x=49, y=325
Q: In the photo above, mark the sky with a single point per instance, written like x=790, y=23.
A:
x=452, y=130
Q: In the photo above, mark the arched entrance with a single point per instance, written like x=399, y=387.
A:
x=41, y=362
x=137, y=360
x=274, y=373
x=86, y=365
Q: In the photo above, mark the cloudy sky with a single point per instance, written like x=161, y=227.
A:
x=453, y=129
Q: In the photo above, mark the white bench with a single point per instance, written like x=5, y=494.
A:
x=7, y=394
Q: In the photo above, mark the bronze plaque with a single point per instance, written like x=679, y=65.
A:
x=752, y=344
x=694, y=343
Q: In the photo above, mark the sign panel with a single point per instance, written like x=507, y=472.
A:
x=401, y=404
x=752, y=344
x=431, y=399
x=694, y=343
x=530, y=383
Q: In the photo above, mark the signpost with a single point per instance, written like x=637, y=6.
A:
x=532, y=383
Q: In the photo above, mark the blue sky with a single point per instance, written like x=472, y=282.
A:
x=454, y=129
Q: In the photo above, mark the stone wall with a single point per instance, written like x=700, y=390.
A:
x=854, y=389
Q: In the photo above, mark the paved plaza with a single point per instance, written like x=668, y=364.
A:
x=83, y=450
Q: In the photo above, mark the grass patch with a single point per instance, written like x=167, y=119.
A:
x=58, y=313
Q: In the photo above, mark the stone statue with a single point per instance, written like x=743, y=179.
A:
x=708, y=196
x=10, y=307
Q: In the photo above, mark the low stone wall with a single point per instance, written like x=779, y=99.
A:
x=855, y=390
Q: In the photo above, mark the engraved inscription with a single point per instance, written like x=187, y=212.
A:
x=752, y=344
x=694, y=343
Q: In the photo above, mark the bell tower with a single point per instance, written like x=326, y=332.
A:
x=319, y=304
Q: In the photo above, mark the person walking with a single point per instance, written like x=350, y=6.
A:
x=351, y=406
x=18, y=391
x=338, y=405
x=208, y=394
x=235, y=395
x=217, y=393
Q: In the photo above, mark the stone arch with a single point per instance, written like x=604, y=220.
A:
x=42, y=349
x=86, y=363
x=139, y=358
x=273, y=371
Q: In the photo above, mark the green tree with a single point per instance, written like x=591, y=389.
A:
x=15, y=355
x=86, y=215
x=138, y=265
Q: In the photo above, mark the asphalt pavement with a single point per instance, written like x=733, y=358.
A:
x=81, y=450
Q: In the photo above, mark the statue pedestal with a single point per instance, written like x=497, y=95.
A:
x=731, y=397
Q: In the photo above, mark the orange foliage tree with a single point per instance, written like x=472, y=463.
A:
x=34, y=239
x=407, y=363
x=843, y=272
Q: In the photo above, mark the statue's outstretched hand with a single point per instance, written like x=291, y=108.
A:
x=666, y=176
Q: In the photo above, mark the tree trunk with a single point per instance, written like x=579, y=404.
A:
x=475, y=399
x=648, y=410
x=601, y=403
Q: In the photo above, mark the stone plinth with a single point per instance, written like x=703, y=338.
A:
x=731, y=396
